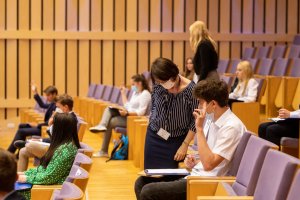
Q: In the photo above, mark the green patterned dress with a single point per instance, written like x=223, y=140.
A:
x=57, y=170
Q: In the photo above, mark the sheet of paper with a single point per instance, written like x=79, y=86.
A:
x=276, y=119
x=167, y=172
x=42, y=143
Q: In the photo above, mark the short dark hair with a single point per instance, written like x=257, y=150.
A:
x=8, y=170
x=209, y=90
x=164, y=69
x=50, y=90
x=66, y=100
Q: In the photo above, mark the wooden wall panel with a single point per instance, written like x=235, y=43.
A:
x=96, y=15
x=57, y=42
x=11, y=56
x=2, y=57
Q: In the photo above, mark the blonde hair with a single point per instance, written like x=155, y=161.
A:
x=247, y=69
x=199, y=32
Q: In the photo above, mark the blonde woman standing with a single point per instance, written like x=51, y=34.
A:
x=246, y=89
x=206, y=58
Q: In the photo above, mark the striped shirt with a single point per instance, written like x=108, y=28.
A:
x=173, y=112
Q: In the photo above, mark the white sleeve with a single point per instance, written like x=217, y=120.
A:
x=232, y=96
x=295, y=114
x=251, y=91
x=144, y=101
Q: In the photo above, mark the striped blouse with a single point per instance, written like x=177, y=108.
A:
x=173, y=112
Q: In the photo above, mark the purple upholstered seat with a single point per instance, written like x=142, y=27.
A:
x=227, y=79
x=276, y=176
x=222, y=66
x=83, y=161
x=68, y=191
x=248, y=53
x=78, y=176
x=296, y=40
x=99, y=91
x=147, y=75
x=115, y=95
x=37, y=107
x=238, y=154
x=294, y=192
x=234, y=64
x=280, y=67
x=295, y=67
x=278, y=51
x=250, y=166
x=294, y=51
x=262, y=52
x=91, y=90
x=107, y=93
x=253, y=62
x=85, y=149
x=265, y=66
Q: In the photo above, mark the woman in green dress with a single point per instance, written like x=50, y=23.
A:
x=57, y=162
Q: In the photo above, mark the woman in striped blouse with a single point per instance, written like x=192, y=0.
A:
x=171, y=126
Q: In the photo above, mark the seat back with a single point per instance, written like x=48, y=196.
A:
x=79, y=177
x=130, y=94
x=253, y=62
x=147, y=75
x=261, y=88
x=280, y=67
x=107, y=93
x=91, y=90
x=222, y=66
x=278, y=51
x=115, y=95
x=238, y=154
x=265, y=66
x=248, y=53
x=85, y=149
x=37, y=106
x=294, y=51
x=250, y=166
x=276, y=176
x=81, y=129
x=294, y=192
x=263, y=52
x=296, y=40
x=295, y=67
x=227, y=79
x=99, y=91
x=68, y=191
x=234, y=63
x=83, y=161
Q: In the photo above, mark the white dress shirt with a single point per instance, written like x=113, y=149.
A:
x=223, y=137
x=250, y=94
x=139, y=103
x=295, y=114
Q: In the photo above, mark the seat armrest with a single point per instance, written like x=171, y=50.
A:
x=225, y=198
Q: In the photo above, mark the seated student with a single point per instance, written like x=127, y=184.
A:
x=30, y=129
x=190, y=71
x=8, y=176
x=116, y=117
x=33, y=149
x=56, y=163
x=246, y=89
x=217, y=140
x=274, y=131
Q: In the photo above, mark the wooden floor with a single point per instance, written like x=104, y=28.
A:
x=111, y=180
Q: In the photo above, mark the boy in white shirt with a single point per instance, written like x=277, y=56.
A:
x=217, y=140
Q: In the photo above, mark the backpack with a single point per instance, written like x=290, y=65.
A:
x=120, y=150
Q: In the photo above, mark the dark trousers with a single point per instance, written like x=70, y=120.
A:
x=164, y=188
x=23, y=131
x=274, y=131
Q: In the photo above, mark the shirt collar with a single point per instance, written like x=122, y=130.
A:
x=223, y=118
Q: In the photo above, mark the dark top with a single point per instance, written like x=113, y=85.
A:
x=174, y=113
x=205, y=59
x=49, y=106
x=14, y=195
